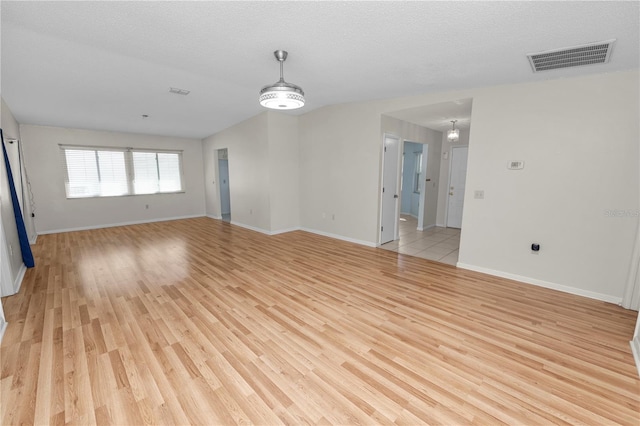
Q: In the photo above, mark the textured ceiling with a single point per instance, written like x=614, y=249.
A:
x=101, y=65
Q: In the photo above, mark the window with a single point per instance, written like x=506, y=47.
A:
x=418, y=169
x=108, y=172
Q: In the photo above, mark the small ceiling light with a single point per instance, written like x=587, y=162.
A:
x=453, y=135
x=281, y=95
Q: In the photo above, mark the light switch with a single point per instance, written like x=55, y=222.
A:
x=478, y=194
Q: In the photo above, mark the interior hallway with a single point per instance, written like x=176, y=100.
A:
x=439, y=244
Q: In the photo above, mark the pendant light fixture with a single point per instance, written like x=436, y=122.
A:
x=454, y=134
x=281, y=95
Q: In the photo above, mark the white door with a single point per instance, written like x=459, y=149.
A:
x=423, y=186
x=225, y=196
x=456, y=186
x=389, y=218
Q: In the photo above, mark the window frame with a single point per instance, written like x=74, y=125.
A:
x=129, y=168
x=417, y=171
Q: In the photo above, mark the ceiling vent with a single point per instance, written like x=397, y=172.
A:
x=575, y=56
x=179, y=91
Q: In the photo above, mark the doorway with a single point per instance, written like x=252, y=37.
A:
x=414, y=170
x=457, y=177
x=223, y=181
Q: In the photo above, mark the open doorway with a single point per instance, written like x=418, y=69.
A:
x=432, y=236
x=415, y=160
x=223, y=181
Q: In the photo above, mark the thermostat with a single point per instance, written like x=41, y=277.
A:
x=515, y=165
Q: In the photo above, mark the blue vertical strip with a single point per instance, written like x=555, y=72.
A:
x=27, y=255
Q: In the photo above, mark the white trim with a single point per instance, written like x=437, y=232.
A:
x=631, y=296
x=541, y=283
x=264, y=231
x=214, y=217
x=112, y=225
x=427, y=228
x=311, y=231
x=33, y=240
x=251, y=228
x=17, y=283
x=284, y=231
x=3, y=327
x=340, y=237
x=635, y=350
x=398, y=188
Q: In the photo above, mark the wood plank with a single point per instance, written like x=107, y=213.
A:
x=200, y=322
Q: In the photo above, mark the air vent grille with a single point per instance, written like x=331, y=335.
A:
x=179, y=91
x=586, y=54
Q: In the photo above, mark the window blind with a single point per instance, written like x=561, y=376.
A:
x=108, y=172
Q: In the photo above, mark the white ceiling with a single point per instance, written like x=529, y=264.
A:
x=102, y=64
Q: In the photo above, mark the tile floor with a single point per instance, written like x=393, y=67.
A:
x=439, y=244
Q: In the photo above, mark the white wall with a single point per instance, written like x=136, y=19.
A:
x=284, y=171
x=445, y=167
x=340, y=160
x=55, y=213
x=579, y=140
x=263, y=172
x=247, y=148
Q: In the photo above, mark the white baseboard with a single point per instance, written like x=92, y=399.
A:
x=635, y=349
x=409, y=214
x=340, y=237
x=426, y=228
x=297, y=228
x=17, y=283
x=264, y=231
x=112, y=225
x=541, y=283
x=214, y=217
x=33, y=240
x=251, y=228
x=284, y=231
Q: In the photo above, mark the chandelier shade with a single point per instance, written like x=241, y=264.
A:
x=453, y=135
x=281, y=95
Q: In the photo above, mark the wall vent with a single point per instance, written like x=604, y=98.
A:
x=585, y=54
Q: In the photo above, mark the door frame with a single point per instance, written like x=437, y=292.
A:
x=398, y=179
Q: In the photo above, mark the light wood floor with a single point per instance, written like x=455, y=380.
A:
x=200, y=322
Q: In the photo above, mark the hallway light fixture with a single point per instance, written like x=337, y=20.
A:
x=281, y=95
x=453, y=135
